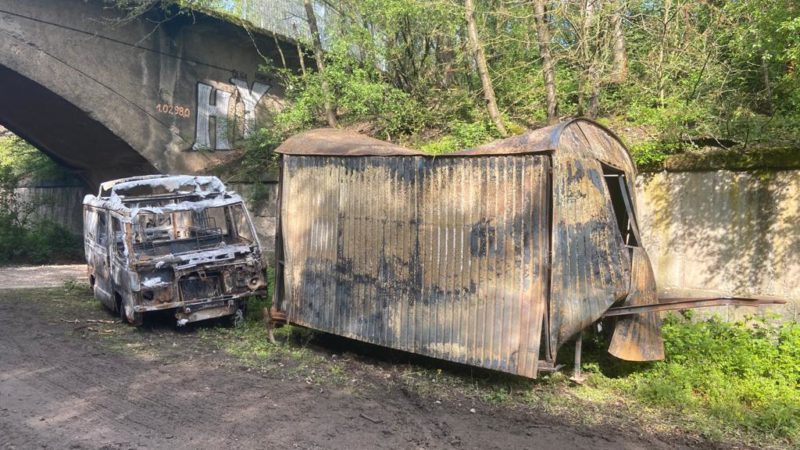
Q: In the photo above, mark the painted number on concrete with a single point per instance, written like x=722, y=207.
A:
x=174, y=110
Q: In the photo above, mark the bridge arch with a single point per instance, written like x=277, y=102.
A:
x=64, y=132
x=161, y=92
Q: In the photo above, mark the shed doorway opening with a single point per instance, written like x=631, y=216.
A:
x=622, y=203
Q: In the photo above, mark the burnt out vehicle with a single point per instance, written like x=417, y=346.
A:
x=177, y=242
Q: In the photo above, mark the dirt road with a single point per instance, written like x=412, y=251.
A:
x=40, y=276
x=62, y=388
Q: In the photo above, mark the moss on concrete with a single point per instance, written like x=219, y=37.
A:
x=781, y=158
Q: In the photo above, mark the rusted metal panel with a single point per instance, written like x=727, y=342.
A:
x=678, y=304
x=638, y=337
x=445, y=257
x=177, y=242
x=536, y=141
x=336, y=142
x=472, y=256
x=591, y=266
x=602, y=145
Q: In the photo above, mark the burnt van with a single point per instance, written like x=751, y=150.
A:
x=171, y=242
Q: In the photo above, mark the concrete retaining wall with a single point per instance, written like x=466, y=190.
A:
x=60, y=204
x=707, y=233
x=723, y=232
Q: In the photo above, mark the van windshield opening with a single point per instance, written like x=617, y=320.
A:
x=175, y=232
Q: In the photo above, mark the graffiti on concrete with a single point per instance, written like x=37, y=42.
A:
x=222, y=106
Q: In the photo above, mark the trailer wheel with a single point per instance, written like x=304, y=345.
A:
x=126, y=312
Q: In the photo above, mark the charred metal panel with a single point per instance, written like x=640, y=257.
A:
x=602, y=145
x=177, y=242
x=591, y=266
x=468, y=255
x=637, y=337
x=447, y=257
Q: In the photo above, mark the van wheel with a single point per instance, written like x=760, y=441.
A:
x=126, y=312
x=236, y=319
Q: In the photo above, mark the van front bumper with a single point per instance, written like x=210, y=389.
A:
x=191, y=307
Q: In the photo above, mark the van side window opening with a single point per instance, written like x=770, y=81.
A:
x=119, y=236
x=241, y=224
x=102, y=229
x=622, y=204
x=90, y=223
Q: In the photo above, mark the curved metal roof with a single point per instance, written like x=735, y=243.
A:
x=336, y=142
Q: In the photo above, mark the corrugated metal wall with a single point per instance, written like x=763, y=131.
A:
x=591, y=268
x=446, y=257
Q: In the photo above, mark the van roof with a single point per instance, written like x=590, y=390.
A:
x=148, y=185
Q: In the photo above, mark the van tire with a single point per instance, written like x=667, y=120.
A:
x=236, y=319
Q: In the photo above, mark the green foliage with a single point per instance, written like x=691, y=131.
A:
x=360, y=94
x=651, y=154
x=257, y=305
x=401, y=70
x=19, y=160
x=462, y=135
x=745, y=374
x=22, y=239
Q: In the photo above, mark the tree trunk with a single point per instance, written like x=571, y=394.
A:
x=280, y=50
x=330, y=110
x=767, y=86
x=619, y=71
x=302, y=59
x=662, y=53
x=483, y=69
x=588, y=75
x=592, y=68
x=548, y=69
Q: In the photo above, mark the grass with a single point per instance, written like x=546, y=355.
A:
x=742, y=376
x=731, y=383
x=724, y=382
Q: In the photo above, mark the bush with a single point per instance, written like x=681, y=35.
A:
x=462, y=135
x=745, y=374
x=651, y=154
x=39, y=243
x=48, y=242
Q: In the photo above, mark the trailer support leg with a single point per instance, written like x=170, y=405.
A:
x=576, y=370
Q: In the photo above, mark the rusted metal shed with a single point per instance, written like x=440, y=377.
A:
x=493, y=256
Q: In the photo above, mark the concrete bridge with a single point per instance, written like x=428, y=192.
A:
x=109, y=94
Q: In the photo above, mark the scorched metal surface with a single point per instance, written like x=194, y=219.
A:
x=493, y=256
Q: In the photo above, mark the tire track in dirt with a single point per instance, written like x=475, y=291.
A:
x=60, y=390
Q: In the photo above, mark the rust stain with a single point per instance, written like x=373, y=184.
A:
x=637, y=337
x=171, y=242
x=493, y=256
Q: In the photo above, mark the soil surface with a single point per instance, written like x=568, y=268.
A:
x=62, y=386
x=41, y=276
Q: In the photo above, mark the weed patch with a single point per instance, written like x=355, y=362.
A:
x=744, y=375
